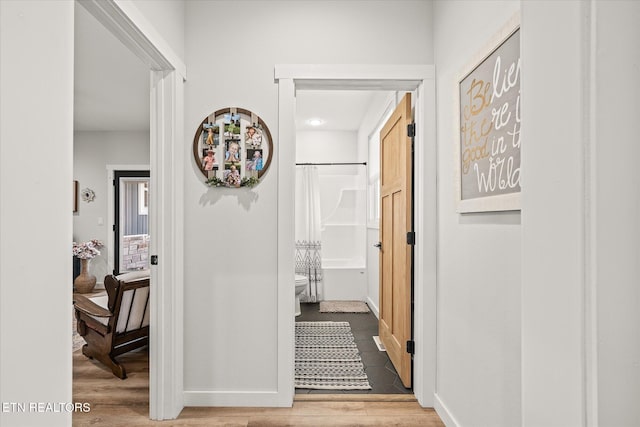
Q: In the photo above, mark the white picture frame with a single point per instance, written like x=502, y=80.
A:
x=484, y=199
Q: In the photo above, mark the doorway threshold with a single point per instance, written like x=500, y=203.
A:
x=355, y=398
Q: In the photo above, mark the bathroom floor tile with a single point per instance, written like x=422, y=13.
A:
x=382, y=376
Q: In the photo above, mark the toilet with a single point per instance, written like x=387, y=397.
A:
x=301, y=285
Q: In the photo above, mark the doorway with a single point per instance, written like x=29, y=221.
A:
x=166, y=74
x=131, y=221
x=111, y=125
x=338, y=143
x=293, y=78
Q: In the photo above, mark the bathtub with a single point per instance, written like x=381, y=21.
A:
x=344, y=265
x=344, y=279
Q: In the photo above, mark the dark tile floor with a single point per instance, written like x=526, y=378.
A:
x=383, y=377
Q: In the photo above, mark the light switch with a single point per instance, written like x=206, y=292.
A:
x=100, y=220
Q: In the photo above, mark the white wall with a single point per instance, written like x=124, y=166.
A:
x=36, y=116
x=555, y=98
x=166, y=16
x=231, y=278
x=93, y=151
x=325, y=146
x=478, y=308
x=616, y=211
x=580, y=337
x=580, y=214
x=36, y=164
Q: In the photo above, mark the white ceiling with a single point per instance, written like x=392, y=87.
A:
x=111, y=84
x=112, y=88
x=339, y=109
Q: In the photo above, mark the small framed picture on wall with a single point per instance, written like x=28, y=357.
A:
x=232, y=147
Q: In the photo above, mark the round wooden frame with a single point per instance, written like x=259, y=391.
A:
x=266, y=134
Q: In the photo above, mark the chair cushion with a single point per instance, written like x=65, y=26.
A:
x=102, y=302
x=132, y=276
x=134, y=310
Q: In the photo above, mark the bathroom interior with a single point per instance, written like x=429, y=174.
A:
x=337, y=216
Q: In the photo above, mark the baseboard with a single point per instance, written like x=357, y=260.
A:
x=443, y=412
x=235, y=399
x=373, y=307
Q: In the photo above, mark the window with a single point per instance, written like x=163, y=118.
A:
x=143, y=198
x=131, y=220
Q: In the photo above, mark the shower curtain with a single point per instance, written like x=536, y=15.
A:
x=308, y=231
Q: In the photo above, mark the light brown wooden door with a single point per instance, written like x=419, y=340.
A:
x=395, y=252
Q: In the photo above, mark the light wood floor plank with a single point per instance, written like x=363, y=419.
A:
x=115, y=402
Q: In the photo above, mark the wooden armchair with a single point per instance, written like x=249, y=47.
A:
x=117, y=322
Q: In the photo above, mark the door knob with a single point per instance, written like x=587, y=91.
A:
x=378, y=245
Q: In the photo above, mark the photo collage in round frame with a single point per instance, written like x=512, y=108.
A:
x=233, y=148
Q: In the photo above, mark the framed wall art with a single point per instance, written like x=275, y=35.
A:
x=488, y=147
x=75, y=196
x=233, y=148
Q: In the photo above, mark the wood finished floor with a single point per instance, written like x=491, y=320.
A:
x=116, y=402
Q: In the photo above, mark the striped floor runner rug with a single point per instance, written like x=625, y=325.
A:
x=327, y=357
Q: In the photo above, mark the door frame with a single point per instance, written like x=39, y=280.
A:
x=166, y=220
x=419, y=78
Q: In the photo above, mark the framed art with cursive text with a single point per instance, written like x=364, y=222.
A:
x=488, y=149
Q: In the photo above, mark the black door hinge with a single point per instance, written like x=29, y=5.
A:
x=411, y=347
x=154, y=259
x=411, y=130
x=411, y=238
